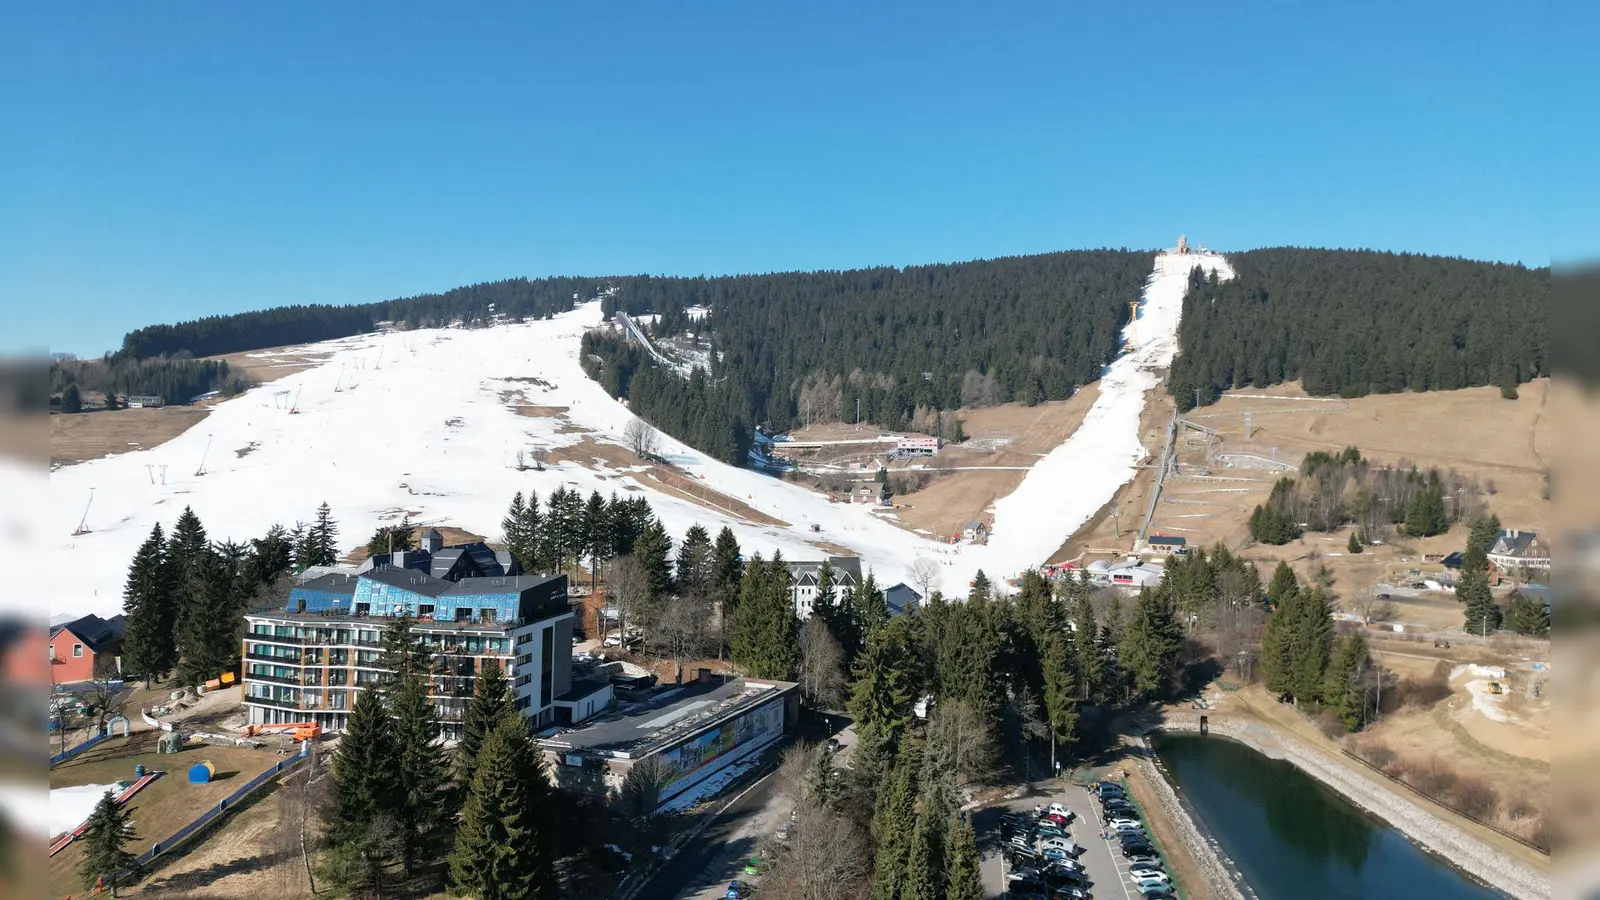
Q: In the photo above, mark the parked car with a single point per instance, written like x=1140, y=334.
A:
x=1143, y=866
x=738, y=890
x=754, y=866
x=1147, y=860
x=1107, y=788
x=1122, y=820
x=1072, y=892
x=1056, y=818
x=1130, y=850
x=1144, y=875
x=1021, y=841
x=1053, y=853
x=1060, y=843
x=1045, y=831
x=1155, y=892
x=1059, y=810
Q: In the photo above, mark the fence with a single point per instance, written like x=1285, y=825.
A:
x=1463, y=814
x=70, y=752
x=223, y=807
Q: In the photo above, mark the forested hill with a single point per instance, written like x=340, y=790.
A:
x=1354, y=322
x=515, y=298
x=906, y=343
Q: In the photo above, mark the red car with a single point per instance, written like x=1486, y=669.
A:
x=1059, y=820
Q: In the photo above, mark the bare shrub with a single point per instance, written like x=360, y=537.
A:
x=1475, y=797
x=1434, y=778
x=1378, y=754
x=1423, y=693
x=1520, y=808
x=1540, y=833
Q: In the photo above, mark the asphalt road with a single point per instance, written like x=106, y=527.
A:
x=703, y=868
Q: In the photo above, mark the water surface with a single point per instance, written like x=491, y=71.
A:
x=1293, y=838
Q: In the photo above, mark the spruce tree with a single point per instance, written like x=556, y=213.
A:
x=530, y=531
x=596, y=534
x=209, y=623
x=503, y=847
x=513, y=530
x=1345, y=691
x=1283, y=584
x=321, y=539
x=923, y=879
x=884, y=687
x=654, y=552
x=421, y=771
x=270, y=556
x=894, y=820
x=1354, y=544
x=105, y=861
x=1529, y=616
x=871, y=610
x=1150, y=647
x=404, y=653
x=1313, y=644
x=366, y=785
x=71, y=399
x=110, y=399
x=491, y=699
x=149, y=647
x=1482, y=614
x=963, y=879
x=695, y=562
x=1091, y=668
x=1425, y=515
x=1060, y=690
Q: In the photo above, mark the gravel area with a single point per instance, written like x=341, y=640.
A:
x=1427, y=830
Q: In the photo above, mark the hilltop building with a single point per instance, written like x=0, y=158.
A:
x=1515, y=549
x=1130, y=574
x=86, y=648
x=474, y=559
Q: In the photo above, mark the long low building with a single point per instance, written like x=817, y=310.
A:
x=694, y=730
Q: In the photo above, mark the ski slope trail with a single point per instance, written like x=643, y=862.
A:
x=425, y=422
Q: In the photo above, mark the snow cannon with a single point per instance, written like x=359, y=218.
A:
x=202, y=772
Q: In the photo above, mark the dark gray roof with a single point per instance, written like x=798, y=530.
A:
x=95, y=632
x=636, y=730
x=332, y=584
x=431, y=533
x=901, y=598
x=497, y=584
x=1167, y=539
x=846, y=569
x=584, y=687
x=1514, y=543
x=411, y=580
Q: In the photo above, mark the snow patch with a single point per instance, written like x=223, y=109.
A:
x=1487, y=703
x=68, y=808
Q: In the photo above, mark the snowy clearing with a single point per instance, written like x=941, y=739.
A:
x=69, y=807
x=425, y=422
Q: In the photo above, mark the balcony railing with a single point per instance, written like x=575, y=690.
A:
x=268, y=657
x=277, y=679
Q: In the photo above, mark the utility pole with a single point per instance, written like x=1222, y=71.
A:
x=858, y=413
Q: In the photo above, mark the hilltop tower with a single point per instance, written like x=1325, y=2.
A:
x=1183, y=244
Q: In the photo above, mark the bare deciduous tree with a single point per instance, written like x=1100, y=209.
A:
x=642, y=438
x=628, y=589
x=966, y=738
x=822, y=677
x=925, y=573
x=827, y=857
x=680, y=629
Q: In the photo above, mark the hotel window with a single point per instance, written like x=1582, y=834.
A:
x=546, y=665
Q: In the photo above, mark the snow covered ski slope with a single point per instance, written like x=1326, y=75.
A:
x=423, y=422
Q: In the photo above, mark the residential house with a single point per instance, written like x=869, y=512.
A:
x=974, y=531
x=804, y=575
x=901, y=598
x=1514, y=550
x=86, y=648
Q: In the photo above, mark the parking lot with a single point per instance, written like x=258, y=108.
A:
x=1101, y=859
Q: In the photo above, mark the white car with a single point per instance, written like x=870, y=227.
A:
x=1059, y=843
x=1059, y=810
x=1144, y=884
x=1125, y=823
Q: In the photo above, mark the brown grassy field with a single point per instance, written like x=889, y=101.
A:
x=92, y=435
x=166, y=804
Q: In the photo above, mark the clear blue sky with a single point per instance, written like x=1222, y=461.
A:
x=170, y=160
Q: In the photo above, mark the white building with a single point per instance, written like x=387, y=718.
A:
x=804, y=576
x=1129, y=574
x=1515, y=549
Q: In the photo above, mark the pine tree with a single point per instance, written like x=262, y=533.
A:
x=871, y=610
x=491, y=699
x=1484, y=532
x=596, y=534
x=884, y=687
x=1354, y=545
x=421, y=772
x=695, y=561
x=1313, y=645
x=530, y=528
x=503, y=849
x=71, y=399
x=105, y=861
x=765, y=638
x=980, y=591
x=1425, y=514
x=824, y=784
x=322, y=546
x=963, y=879
x=111, y=399
x=1482, y=614
x=1345, y=691
x=149, y=648
x=1529, y=616
x=365, y=787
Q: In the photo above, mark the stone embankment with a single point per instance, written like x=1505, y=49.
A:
x=1205, y=853
x=1466, y=852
